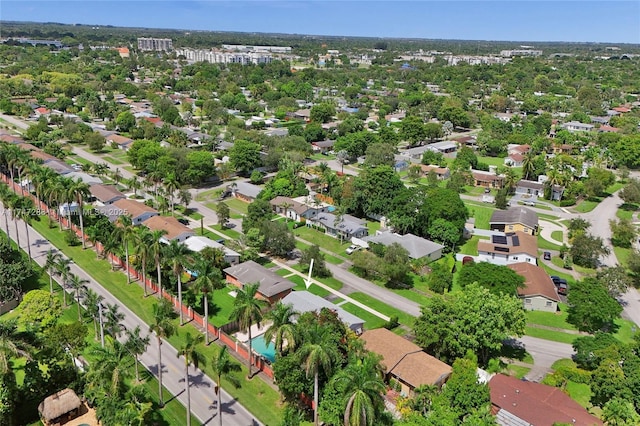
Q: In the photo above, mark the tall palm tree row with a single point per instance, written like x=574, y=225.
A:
x=247, y=310
x=178, y=254
x=163, y=328
x=208, y=279
x=223, y=367
x=156, y=247
x=189, y=350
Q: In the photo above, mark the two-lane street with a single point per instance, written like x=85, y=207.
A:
x=203, y=404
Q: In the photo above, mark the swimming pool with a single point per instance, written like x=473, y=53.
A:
x=331, y=208
x=260, y=346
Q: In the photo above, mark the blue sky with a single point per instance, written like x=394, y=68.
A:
x=517, y=20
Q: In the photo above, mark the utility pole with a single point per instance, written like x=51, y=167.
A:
x=101, y=324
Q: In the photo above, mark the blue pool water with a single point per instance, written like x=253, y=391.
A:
x=331, y=208
x=260, y=346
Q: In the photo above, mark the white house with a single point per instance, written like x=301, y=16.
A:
x=197, y=243
x=509, y=248
x=417, y=247
x=576, y=126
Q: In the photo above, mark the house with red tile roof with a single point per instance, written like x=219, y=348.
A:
x=519, y=402
x=621, y=109
x=608, y=129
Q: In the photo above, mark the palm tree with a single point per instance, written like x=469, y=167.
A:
x=110, y=369
x=318, y=352
x=171, y=185
x=109, y=246
x=191, y=355
x=24, y=212
x=128, y=235
x=91, y=302
x=223, y=367
x=156, y=246
x=113, y=321
x=41, y=180
x=215, y=256
x=510, y=180
x=49, y=265
x=282, y=328
x=54, y=191
x=134, y=183
x=164, y=328
x=80, y=191
x=143, y=251
x=93, y=235
x=136, y=344
x=77, y=285
x=177, y=253
x=116, y=176
x=363, y=386
x=5, y=195
x=12, y=345
x=14, y=205
x=185, y=198
x=247, y=310
x=208, y=279
x=528, y=164
x=63, y=270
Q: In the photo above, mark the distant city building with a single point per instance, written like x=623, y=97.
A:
x=244, y=48
x=520, y=52
x=220, y=57
x=36, y=42
x=154, y=44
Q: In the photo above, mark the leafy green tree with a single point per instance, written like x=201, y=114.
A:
x=591, y=308
x=322, y=113
x=177, y=254
x=413, y=130
x=501, y=199
x=620, y=412
x=380, y=154
x=395, y=267
x=277, y=238
x=223, y=213
x=497, y=278
x=615, y=279
x=110, y=370
x=125, y=121
x=586, y=250
x=623, y=232
x=95, y=141
x=313, y=132
x=247, y=310
x=591, y=349
x=245, y=156
x=39, y=308
x=433, y=131
x=319, y=266
x=435, y=158
x=631, y=192
x=473, y=319
x=13, y=344
x=440, y=278
x=136, y=344
x=444, y=232
x=373, y=189
x=633, y=263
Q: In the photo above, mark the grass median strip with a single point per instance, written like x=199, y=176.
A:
x=256, y=395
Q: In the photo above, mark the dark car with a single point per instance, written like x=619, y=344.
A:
x=546, y=255
x=183, y=221
x=563, y=289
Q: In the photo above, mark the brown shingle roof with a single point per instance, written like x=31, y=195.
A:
x=440, y=171
x=522, y=243
x=513, y=215
x=481, y=176
x=59, y=404
x=133, y=208
x=105, y=193
x=537, y=404
x=405, y=359
x=170, y=224
x=536, y=281
x=270, y=283
x=40, y=155
x=119, y=140
x=291, y=204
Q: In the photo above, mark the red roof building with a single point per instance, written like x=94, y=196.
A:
x=515, y=401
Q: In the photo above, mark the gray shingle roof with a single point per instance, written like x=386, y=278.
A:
x=304, y=301
x=252, y=272
x=515, y=215
x=416, y=246
x=349, y=224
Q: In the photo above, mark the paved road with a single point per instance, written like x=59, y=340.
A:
x=203, y=399
x=14, y=121
x=544, y=353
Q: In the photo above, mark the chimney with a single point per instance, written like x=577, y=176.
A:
x=493, y=170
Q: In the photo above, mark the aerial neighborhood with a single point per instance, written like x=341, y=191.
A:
x=269, y=229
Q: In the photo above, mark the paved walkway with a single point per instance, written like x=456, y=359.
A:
x=547, y=228
x=203, y=399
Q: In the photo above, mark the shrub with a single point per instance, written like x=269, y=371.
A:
x=71, y=238
x=392, y=323
x=566, y=202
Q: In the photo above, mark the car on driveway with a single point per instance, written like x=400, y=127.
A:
x=530, y=203
x=546, y=255
x=352, y=249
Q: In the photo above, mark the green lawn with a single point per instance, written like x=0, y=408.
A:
x=556, y=336
x=492, y=161
x=586, y=206
x=547, y=245
x=231, y=233
x=370, y=321
x=564, y=275
x=403, y=317
x=481, y=214
x=622, y=254
x=237, y=205
x=557, y=235
x=257, y=396
x=300, y=286
x=557, y=320
x=517, y=371
x=373, y=226
x=327, y=242
x=470, y=247
x=624, y=214
x=208, y=194
x=114, y=160
x=625, y=331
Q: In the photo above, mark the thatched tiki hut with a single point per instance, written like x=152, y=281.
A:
x=59, y=408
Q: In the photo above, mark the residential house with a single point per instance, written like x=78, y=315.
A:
x=42, y=111
x=447, y=148
x=536, y=189
x=415, y=152
x=539, y=293
x=442, y=172
x=564, y=148
x=303, y=114
x=272, y=287
x=345, y=227
x=621, y=109
x=84, y=177
x=6, y=137
x=576, y=126
x=608, y=129
x=304, y=301
x=296, y=210
x=514, y=160
x=469, y=141
x=122, y=142
x=323, y=146
x=105, y=194
x=600, y=120
x=515, y=219
x=417, y=247
x=509, y=248
x=518, y=149
x=517, y=402
x=60, y=407
x=245, y=191
x=487, y=179
x=404, y=361
x=197, y=243
x=174, y=229
x=138, y=211
x=59, y=167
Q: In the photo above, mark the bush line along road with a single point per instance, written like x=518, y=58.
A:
x=202, y=401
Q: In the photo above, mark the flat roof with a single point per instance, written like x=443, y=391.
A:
x=304, y=301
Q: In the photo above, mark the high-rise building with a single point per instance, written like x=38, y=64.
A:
x=155, y=44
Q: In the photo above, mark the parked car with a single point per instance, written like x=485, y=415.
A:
x=352, y=248
x=563, y=289
x=530, y=203
x=183, y=221
x=546, y=255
